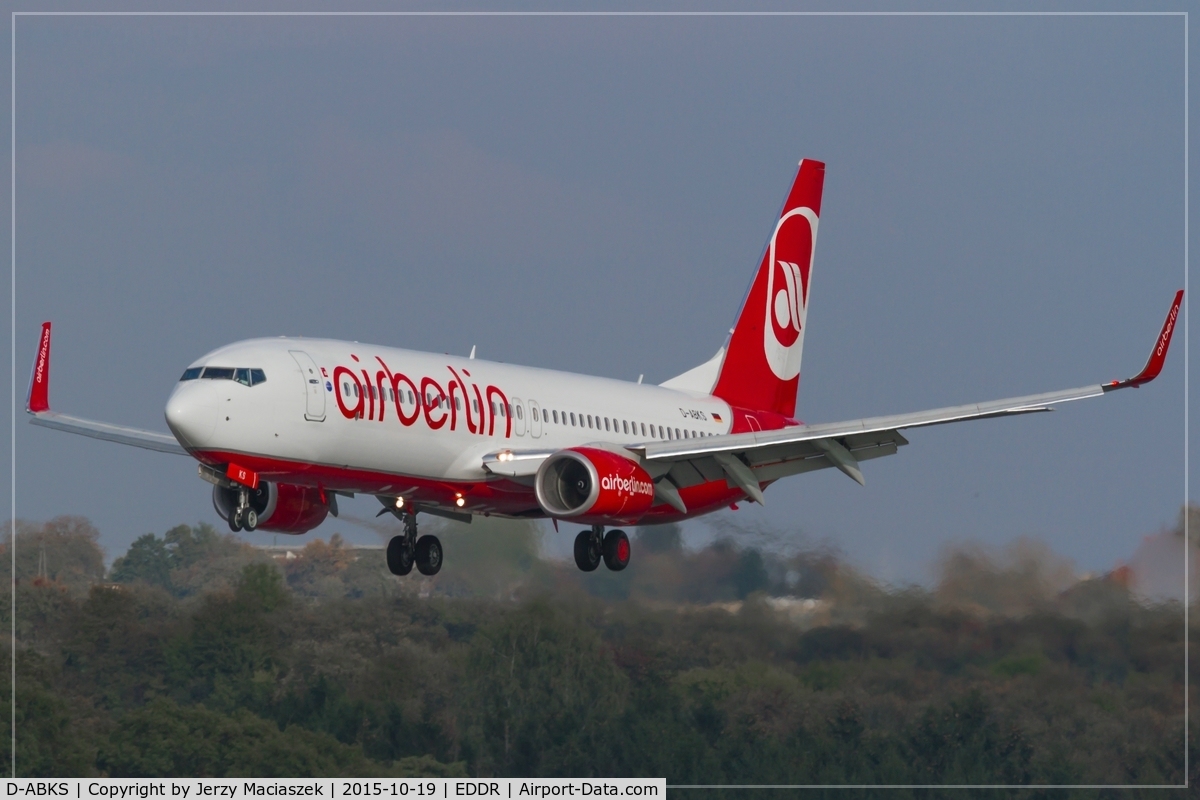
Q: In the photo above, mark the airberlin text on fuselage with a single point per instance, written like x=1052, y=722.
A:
x=439, y=405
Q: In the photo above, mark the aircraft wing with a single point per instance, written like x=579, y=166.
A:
x=520, y=465
x=747, y=460
x=37, y=403
x=150, y=440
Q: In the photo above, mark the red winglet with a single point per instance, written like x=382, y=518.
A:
x=1158, y=355
x=38, y=399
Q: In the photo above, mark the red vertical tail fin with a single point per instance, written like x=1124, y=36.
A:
x=761, y=370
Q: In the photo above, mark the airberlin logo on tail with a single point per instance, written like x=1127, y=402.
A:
x=789, y=260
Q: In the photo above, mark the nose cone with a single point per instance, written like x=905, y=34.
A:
x=192, y=412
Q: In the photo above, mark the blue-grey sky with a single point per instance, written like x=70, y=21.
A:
x=1003, y=214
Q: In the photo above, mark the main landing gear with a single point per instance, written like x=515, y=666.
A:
x=593, y=545
x=243, y=516
x=406, y=549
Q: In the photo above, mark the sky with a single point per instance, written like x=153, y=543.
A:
x=1003, y=214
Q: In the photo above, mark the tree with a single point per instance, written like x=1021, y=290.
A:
x=546, y=695
x=65, y=550
x=147, y=560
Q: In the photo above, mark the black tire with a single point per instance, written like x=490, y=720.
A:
x=429, y=555
x=399, y=556
x=587, y=555
x=235, y=521
x=616, y=550
x=250, y=519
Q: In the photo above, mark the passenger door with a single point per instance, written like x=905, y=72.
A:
x=313, y=388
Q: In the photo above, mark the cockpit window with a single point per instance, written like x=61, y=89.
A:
x=243, y=375
x=191, y=373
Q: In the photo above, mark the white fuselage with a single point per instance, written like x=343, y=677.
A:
x=365, y=418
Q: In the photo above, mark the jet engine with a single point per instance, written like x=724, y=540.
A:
x=595, y=485
x=281, y=507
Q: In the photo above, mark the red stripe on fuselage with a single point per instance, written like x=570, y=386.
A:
x=500, y=496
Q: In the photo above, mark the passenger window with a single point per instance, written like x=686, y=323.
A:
x=677, y=433
x=572, y=419
x=356, y=390
x=191, y=373
x=625, y=426
x=606, y=423
x=589, y=419
x=554, y=415
x=643, y=429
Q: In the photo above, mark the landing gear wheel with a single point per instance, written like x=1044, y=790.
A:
x=250, y=519
x=235, y=523
x=429, y=555
x=399, y=556
x=616, y=550
x=587, y=554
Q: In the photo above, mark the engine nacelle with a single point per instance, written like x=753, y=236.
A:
x=281, y=507
x=595, y=484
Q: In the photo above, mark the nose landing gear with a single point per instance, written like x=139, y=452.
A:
x=594, y=545
x=406, y=549
x=243, y=516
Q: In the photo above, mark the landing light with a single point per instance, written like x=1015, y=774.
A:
x=505, y=455
x=459, y=501
x=399, y=502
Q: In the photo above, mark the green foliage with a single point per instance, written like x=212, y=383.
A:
x=64, y=551
x=147, y=560
x=260, y=586
x=546, y=695
x=319, y=665
x=186, y=561
x=164, y=739
x=53, y=736
x=1014, y=665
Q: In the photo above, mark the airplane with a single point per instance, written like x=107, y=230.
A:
x=283, y=427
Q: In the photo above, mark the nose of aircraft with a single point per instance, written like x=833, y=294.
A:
x=192, y=412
